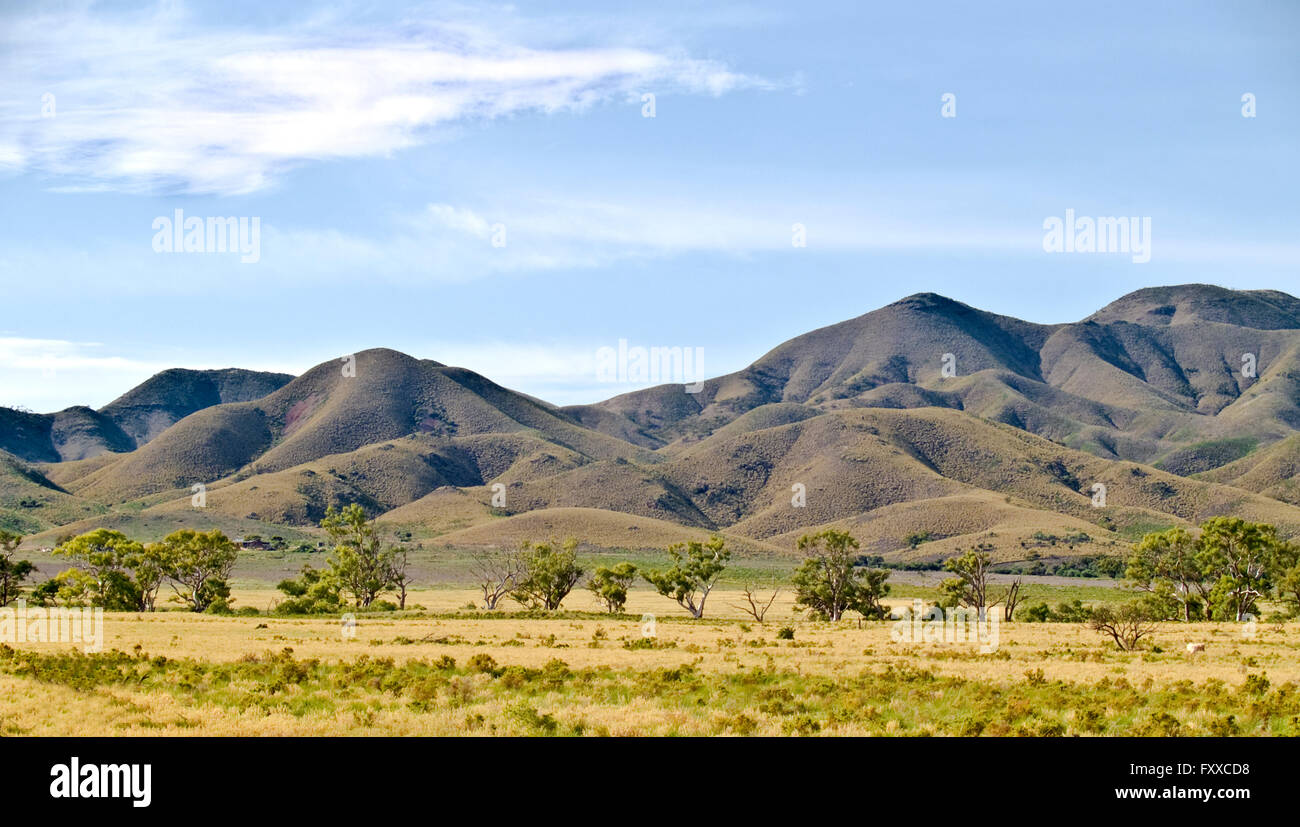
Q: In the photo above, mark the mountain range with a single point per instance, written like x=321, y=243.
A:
x=924, y=427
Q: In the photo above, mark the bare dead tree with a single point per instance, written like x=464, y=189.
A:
x=398, y=576
x=758, y=607
x=497, y=574
x=1012, y=599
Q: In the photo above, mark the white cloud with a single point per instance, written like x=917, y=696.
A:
x=448, y=243
x=157, y=100
x=47, y=375
x=52, y=355
x=39, y=373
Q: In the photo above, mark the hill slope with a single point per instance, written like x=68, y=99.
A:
x=324, y=412
x=924, y=427
x=1160, y=376
x=131, y=420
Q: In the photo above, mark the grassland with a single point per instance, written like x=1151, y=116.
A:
x=444, y=669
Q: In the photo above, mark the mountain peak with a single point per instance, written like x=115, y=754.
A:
x=928, y=301
x=1190, y=303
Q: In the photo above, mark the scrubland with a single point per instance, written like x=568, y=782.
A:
x=444, y=669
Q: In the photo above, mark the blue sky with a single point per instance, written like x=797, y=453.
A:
x=378, y=145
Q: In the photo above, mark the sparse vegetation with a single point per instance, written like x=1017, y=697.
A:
x=933, y=478
x=1051, y=681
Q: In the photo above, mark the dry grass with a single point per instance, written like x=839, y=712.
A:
x=30, y=502
x=721, y=675
x=1270, y=471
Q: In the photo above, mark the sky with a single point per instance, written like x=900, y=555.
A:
x=490, y=186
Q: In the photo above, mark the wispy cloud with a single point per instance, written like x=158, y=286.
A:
x=52, y=355
x=447, y=243
x=40, y=373
x=46, y=375
x=156, y=101
x=52, y=374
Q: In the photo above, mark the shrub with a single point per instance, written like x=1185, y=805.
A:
x=482, y=662
x=313, y=592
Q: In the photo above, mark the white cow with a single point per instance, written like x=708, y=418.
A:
x=1193, y=648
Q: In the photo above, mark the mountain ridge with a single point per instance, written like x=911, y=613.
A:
x=131, y=420
x=925, y=418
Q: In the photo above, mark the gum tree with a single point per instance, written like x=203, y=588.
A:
x=550, y=571
x=1126, y=625
x=971, y=586
x=1239, y=553
x=106, y=561
x=695, y=569
x=1170, y=563
x=199, y=565
x=497, y=573
x=361, y=566
x=399, y=577
x=1286, y=575
x=758, y=600
x=829, y=583
x=12, y=572
x=610, y=585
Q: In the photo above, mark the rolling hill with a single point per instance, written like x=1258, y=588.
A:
x=132, y=419
x=924, y=427
x=1158, y=376
x=31, y=503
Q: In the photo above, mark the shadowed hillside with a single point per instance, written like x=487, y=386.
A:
x=131, y=420
x=151, y=408
x=325, y=412
x=924, y=427
x=1187, y=377
x=30, y=502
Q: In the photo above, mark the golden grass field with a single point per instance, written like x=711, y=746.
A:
x=579, y=673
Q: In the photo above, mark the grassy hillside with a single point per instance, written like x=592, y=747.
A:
x=133, y=419
x=1155, y=375
x=147, y=410
x=30, y=502
x=856, y=425
x=1273, y=471
x=596, y=527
